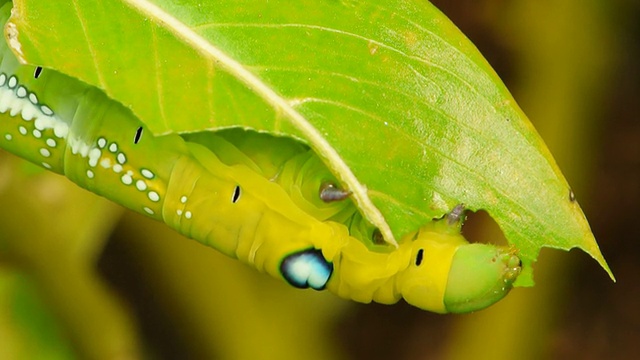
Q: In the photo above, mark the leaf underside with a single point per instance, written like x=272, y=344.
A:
x=398, y=103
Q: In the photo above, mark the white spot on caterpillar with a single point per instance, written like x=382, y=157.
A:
x=8, y=137
x=127, y=179
x=22, y=92
x=148, y=210
x=37, y=133
x=90, y=174
x=179, y=212
x=46, y=110
x=8, y=100
x=102, y=142
x=33, y=98
x=117, y=168
x=76, y=147
x=45, y=152
x=105, y=163
x=28, y=113
x=141, y=185
x=15, y=107
x=153, y=196
x=113, y=147
x=94, y=157
x=13, y=81
x=121, y=158
x=41, y=123
x=51, y=142
x=61, y=130
x=22, y=130
x=183, y=199
x=84, y=149
x=3, y=79
x=5, y=101
x=146, y=173
x=46, y=165
x=188, y=214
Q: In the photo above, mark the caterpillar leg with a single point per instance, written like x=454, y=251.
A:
x=456, y=216
x=329, y=192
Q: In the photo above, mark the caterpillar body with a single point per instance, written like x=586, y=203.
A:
x=267, y=201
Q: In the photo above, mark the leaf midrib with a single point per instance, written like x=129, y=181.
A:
x=186, y=34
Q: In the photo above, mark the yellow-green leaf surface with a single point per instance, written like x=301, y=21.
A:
x=399, y=104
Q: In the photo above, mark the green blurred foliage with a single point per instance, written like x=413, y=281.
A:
x=28, y=329
x=72, y=286
x=53, y=233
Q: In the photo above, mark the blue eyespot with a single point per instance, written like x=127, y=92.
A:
x=307, y=268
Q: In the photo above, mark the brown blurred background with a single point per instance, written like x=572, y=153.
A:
x=573, y=67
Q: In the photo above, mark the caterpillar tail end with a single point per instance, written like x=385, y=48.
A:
x=480, y=276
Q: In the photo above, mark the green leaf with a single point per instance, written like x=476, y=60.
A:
x=399, y=104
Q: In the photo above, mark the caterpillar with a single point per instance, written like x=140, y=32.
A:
x=269, y=202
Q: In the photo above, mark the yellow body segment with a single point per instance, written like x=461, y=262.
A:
x=367, y=276
x=426, y=283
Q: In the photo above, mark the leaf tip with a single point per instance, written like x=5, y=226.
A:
x=594, y=251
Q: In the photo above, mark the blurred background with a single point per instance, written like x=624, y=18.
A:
x=83, y=278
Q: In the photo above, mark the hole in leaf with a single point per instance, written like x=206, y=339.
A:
x=481, y=228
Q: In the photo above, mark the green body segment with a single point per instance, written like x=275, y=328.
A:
x=251, y=196
x=484, y=264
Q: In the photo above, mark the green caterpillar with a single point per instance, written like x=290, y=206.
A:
x=267, y=201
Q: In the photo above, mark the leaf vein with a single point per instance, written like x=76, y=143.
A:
x=92, y=51
x=184, y=32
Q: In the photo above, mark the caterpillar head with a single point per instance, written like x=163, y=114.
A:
x=449, y=275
